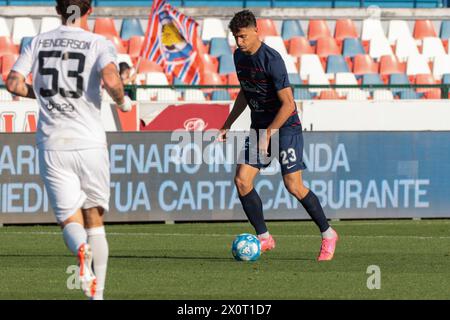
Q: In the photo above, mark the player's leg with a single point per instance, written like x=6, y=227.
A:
x=252, y=204
x=95, y=229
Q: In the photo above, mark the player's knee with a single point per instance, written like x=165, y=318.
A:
x=297, y=190
x=243, y=185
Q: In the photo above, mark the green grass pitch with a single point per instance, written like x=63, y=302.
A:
x=193, y=261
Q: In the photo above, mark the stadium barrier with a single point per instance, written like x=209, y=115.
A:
x=180, y=176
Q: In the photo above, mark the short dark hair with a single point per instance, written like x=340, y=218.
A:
x=123, y=66
x=242, y=19
x=63, y=5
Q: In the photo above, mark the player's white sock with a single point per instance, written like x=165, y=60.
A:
x=328, y=234
x=100, y=252
x=74, y=236
x=265, y=235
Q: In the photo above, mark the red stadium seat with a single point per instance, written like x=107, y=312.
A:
x=363, y=64
x=208, y=63
x=7, y=64
x=146, y=66
x=266, y=27
x=345, y=28
x=326, y=47
x=424, y=28
x=428, y=79
x=318, y=29
x=390, y=64
x=298, y=46
x=121, y=46
x=211, y=78
x=329, y=95
x=134, y=46
x=232, y=80
x=7, y=46
x=105, y=27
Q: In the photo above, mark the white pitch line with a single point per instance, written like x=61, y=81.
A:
x=149, y=234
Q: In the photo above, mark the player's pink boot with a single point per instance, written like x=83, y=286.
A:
x=328, y=247
x=267, y=243
x=86, y=274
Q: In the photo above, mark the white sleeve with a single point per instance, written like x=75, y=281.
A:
x=107, y=53
x=24, y=63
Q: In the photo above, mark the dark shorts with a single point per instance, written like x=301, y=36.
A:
x=290, y=153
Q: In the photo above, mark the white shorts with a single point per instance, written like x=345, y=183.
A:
x=75, y=179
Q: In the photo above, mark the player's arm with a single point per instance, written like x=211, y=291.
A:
x=287, y=108
x=16, y=84
x=114, y=87
x=239, y=106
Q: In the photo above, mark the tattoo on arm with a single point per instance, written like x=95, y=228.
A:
x=117, y=94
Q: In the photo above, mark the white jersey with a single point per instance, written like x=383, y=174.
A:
x=66, y=66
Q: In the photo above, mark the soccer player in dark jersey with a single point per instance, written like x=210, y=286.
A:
x=265, y=88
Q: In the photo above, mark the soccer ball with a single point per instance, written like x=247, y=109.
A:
x=246, y=247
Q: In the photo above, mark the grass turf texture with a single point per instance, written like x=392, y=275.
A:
x=194, y=261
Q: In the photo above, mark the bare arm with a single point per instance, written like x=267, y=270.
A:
x=16, y=85
x=286, y=110
x=113, y=83
x=239, y=106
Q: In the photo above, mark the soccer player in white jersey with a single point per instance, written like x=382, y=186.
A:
x=67, y=67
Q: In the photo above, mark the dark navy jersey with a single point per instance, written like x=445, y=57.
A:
x=261, y=76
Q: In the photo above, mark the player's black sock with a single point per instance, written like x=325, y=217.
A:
x=253, y=208
x=312, y=205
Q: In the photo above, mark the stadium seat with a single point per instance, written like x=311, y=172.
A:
x=22, y=27
x=291, y=29
x=208, y=63
x=226, y=64
x=310, y=64
x=194, y=95
x=446, y=78
x=5, y=95
x=25, y=41
x=299, y=46
x=318, y=29
x=410, y=94
x=444, y=33
x=441, y=66
x=266, y=27
x=134, y=46
x=155, y=79
x=352, y=47
x=371, y=79
x=389, y=64
x=277, y=43
x=119, y=44
x=49, y=24
x=345, y=79
x=399, y=79
x=232, y=80
x=7, y=46
x=105, y=27
x=146, y=66
x=220, y=95
x=7, y=62
x=371, y=28
x=318, y=79
x=219, y=46
x=4, y=29
x=357, y=95
x=167, y=95
x=379, y=46
x=211, y=79
x=432, y=47
x=131, y=27
x=290, y=63
x=363, y=64
x=336, y=63
x=328, y=95
x=345, y=28
x=417, y=64
x=397, y=30
x=299, y=93
x=327, y=46
x=212, y=28
x=383, y=95
x=427, y=79
x=424, y=28
x=406, y=47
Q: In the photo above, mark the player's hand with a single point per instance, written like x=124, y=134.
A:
x=127, y=104
x=263, y=145
x=222, y=136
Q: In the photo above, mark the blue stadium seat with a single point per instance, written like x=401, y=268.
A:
x=337, y=63
x=410, y=94
x=291, y=28
x=219, y=46
x=131, y=27
x=445, y=30
x=299, y=93
x=371, y=79
x=446, y=78
x=226, y=64
x=352, y=47
x=399, y=78
x=24, y=42
x=220, y=95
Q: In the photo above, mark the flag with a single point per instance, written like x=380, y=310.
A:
x=171, y=41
